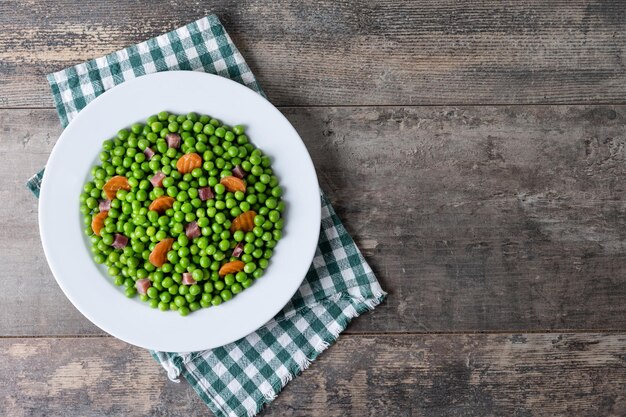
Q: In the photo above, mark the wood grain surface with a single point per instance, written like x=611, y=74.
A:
x=474, y=218
x=476, y=152
x=402, y=375
x=348, y=52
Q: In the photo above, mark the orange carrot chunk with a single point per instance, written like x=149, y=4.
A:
x=188, y=163
x=244, y=222
x=160, y=204
x=97, y=222
x=231, y=268
x=116, y=183
x=233, y=184
x=158, y=256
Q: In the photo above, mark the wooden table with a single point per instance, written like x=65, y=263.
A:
x=476, y=151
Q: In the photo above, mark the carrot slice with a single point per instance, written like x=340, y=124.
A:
x=158, y=256
x=231, y=268
x=188, y=163
x=116, y=183
x=233, y=184
x=160, y=204
x=97, y=222
x=245, y=222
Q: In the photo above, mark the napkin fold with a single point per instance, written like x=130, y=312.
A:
x=237, y=379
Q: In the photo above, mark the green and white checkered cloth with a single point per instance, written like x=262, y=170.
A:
x=238, y=379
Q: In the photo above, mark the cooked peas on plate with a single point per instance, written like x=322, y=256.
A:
x=183, y=210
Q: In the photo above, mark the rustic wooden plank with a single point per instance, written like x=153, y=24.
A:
x=403, y=375
x=349, y=52
x=481, y=218
x=474, y=218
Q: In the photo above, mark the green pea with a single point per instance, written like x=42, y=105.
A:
x=239, y=130
x=260, y=187
x=265, y=179
x=263, y=263
x=183, y=240
x=248, y=248
x=271, y=203
x=274, y=216
x=173, y=289
x=177, y=228
x=216, y=227
x=196, y=202
x=152, y=292
x=182, y=196
x=216, y=300
x=229, y=280
x=224, y=245
x=277, y=191
x=220, y=218
x=195, y=289
x=255, y=160
x=156, y=126
x=92, y=203
x=259, y=220
x=172, y=191
x=220, y=132
x=238, y=235
x=183, y=290
x=220, y=189
x=187, y=125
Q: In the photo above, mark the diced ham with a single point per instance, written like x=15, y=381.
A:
x=238, y=250
x=157, y=179
x=142, y=285
x=105, y=205
x=149, y=153
x=173, y=140
x=239, y=172
x=192, y=230
x=120, y=241
x=188, y=279
x=205, y=193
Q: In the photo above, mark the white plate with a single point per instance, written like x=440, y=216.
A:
x=87, y=284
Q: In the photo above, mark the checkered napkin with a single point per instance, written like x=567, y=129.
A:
x=237, y=379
